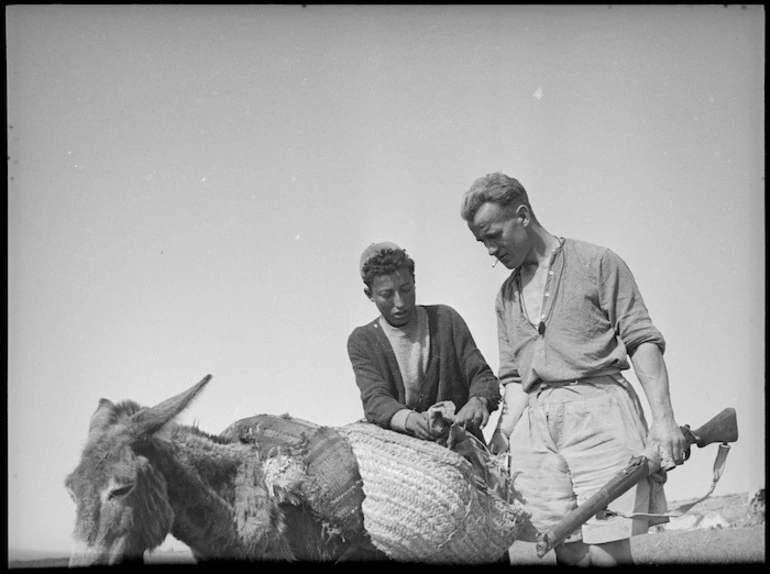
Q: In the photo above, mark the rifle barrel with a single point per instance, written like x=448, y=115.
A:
x=636, y=470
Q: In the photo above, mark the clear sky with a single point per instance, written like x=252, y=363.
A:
x=190, y=188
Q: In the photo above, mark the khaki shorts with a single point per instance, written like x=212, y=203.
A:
x=571, y=440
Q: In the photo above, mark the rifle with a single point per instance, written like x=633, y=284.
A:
x=723, y=428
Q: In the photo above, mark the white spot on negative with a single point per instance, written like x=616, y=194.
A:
x=538, y=95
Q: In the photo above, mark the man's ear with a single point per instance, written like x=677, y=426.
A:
x=368, y=292
x=522, y=212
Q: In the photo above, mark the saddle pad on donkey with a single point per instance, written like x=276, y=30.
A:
x=333, y=488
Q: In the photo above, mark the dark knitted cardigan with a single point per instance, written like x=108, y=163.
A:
x=456, y=368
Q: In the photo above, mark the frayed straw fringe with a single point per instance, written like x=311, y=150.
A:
x=421, y=503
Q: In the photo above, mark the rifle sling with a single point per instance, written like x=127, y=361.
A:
x=719, y=466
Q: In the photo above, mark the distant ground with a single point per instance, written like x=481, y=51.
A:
x=26, y=560
x=717, y=546
x=732, y=507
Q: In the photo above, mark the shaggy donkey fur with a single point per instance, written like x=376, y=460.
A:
x=141, y=477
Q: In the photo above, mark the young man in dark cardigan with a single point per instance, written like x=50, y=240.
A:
x=412, y=356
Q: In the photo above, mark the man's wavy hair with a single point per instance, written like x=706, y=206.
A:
x=386, y=262
x=496, y=188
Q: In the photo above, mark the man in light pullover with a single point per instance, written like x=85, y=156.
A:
x=412, y=357
x=569, y=317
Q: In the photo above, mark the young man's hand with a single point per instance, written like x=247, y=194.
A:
x=474, y=413
x=417, y=425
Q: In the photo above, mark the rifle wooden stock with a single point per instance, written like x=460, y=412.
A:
x=722, y=428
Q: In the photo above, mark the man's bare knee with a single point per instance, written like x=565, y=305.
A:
x=582, y=554
x=611, y=553
x=573, y=554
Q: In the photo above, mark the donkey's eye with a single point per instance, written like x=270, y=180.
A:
x=121, y=491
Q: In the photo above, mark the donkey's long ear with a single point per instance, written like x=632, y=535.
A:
x=102, y=417
x=147, y=421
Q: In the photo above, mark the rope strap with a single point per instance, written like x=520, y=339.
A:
x=719, y=466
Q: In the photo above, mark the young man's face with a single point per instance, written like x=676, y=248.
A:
x=394, y=296
x=502, y=233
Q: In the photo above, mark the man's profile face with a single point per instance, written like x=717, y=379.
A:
x=394, y=296
x=502, y=233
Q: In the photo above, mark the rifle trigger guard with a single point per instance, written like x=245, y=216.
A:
x=691, y=437
x=605, y=513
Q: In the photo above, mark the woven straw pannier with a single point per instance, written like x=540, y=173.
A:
x=421, y=503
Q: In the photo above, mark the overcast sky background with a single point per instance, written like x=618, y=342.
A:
x=190, y=188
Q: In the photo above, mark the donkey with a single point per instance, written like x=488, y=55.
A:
x=142, y=476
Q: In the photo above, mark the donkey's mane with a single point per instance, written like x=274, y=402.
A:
x=125, y=409
x=203, y=434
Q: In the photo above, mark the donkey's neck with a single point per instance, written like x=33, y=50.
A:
x=202, y=476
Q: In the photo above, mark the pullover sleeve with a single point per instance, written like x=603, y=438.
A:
x=378, y=395
x=482, y=381
x=623, y=303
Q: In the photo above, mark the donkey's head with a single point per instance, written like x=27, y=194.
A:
x=122, y=502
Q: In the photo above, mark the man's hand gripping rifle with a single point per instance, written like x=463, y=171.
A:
x=723, y=429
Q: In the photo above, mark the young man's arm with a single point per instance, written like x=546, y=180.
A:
x=411, y=422
x=483, y=386
x=380, y=405
x=377, y=394
x=474, y=414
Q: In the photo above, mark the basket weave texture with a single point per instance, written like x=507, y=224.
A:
x=421, y=503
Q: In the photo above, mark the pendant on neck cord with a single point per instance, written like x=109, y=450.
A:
x=541, y=328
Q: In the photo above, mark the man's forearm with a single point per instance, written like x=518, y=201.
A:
x=515, y=400
x=650, y=369
x=398, y=421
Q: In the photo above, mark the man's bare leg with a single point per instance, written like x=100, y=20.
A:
x=607, y=554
